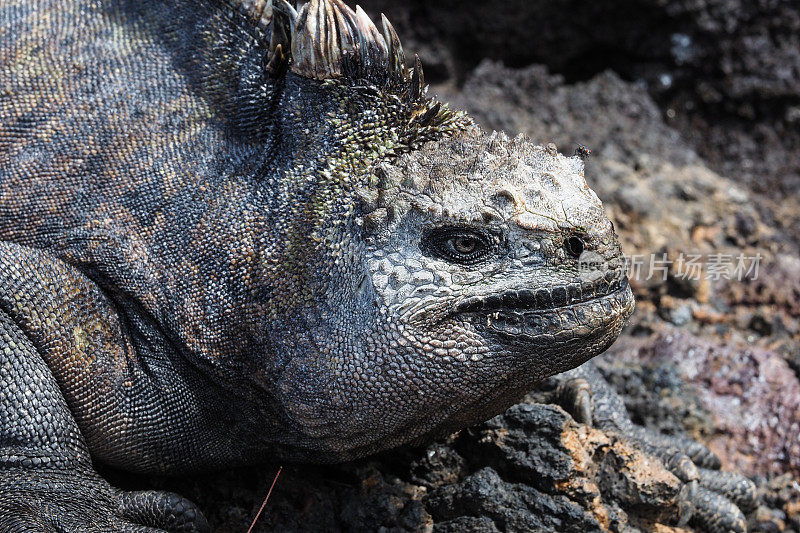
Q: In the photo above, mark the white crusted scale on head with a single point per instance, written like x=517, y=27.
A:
x=507, y=179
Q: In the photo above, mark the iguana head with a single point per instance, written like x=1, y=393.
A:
x=422, y=275
x=488, y=250
x=482, y=266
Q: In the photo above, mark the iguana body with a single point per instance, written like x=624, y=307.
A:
x=232, y=231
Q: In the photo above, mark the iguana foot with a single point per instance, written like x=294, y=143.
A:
x=34, y=500
x=713, y=501
x=47, y=479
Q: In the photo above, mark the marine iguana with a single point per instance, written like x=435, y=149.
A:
x=233, y=230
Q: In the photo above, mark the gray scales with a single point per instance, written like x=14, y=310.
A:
x=239, y=231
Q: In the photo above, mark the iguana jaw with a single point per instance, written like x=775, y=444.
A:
x=532, y=299
x=519, y=319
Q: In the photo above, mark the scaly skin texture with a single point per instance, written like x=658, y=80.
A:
x=216, y=250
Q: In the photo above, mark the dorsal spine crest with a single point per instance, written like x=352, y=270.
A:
x=327, y=41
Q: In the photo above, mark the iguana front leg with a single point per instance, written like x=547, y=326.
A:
x=47, y=480
x=712, y=500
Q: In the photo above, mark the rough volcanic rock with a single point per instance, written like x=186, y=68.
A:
x=541, y=447
x=507, y=506
x=531, y=469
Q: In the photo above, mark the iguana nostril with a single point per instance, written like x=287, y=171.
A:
x=574, y=246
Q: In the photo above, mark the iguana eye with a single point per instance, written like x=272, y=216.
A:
x=465, y=245
x=457, y=245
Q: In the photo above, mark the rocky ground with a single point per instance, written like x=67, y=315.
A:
x=692, y=111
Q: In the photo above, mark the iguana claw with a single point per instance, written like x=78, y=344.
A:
x=711, y=500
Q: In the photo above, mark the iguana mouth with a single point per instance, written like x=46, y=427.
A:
x=541, y=299
x=557, y=316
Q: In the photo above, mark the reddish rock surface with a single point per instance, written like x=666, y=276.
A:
x=751, y=393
